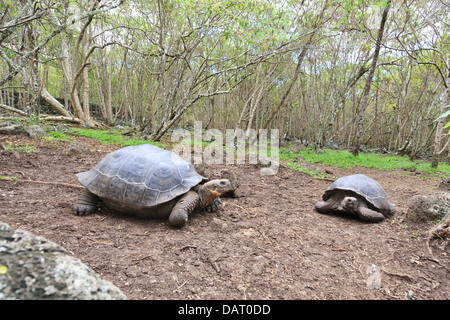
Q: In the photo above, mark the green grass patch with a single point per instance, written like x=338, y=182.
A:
x=58, y=136
x=24, y=149
x=193, y=142
x=346, y=160
x=290, y=159
x=299, y=168
x=110, y=137
x=8, y=178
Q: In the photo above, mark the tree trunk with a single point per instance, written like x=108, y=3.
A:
x=365, y=98
x=86, y=111
x=55, y=103
x=68, y=72
x=291, y=85
x=440, y=124
x=108, y=93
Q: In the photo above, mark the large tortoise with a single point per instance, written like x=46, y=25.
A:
x=357, y=194
x=148, y=182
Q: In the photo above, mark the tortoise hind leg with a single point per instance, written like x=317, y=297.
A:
x=180, y=212
x=86, y=203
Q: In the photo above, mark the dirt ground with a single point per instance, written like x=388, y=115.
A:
x=267, y=243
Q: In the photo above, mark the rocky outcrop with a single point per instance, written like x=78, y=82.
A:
x=34, y=268
x=429, y=208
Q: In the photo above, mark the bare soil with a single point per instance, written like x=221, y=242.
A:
x=267, y=243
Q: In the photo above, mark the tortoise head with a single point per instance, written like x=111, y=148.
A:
x=350, y=204
x=213, y=189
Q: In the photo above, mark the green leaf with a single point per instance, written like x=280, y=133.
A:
x=444, y=115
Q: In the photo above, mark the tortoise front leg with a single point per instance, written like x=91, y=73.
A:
x=180, y=212
x=214, y=206
x=324, y=206
x=86, y=203
x=366, y=214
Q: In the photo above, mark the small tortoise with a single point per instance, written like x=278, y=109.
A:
x=148, y=182
x=359, y=195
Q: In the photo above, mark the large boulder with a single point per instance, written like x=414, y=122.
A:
x=34, y=268
x=434, y=207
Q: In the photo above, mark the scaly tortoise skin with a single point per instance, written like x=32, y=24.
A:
x=359, y=195
x=148, y=182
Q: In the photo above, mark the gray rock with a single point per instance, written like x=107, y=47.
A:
x=296, y=148
x=444, y=184
x=61, y=128
x=36, y=132
x=428, y=208
x=330, y=144
x=76, y=148
x=200, y=168
x=34, y=268
x=11, y=128
x=364, y=148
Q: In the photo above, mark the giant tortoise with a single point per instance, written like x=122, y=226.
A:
x=359, y=195
x=148, y=182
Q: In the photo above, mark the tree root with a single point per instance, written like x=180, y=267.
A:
x=442, y=231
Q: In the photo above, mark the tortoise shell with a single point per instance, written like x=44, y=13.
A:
x=365, y=187
x=142, y=176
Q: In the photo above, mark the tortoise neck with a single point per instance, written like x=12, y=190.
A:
x=205, y=196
